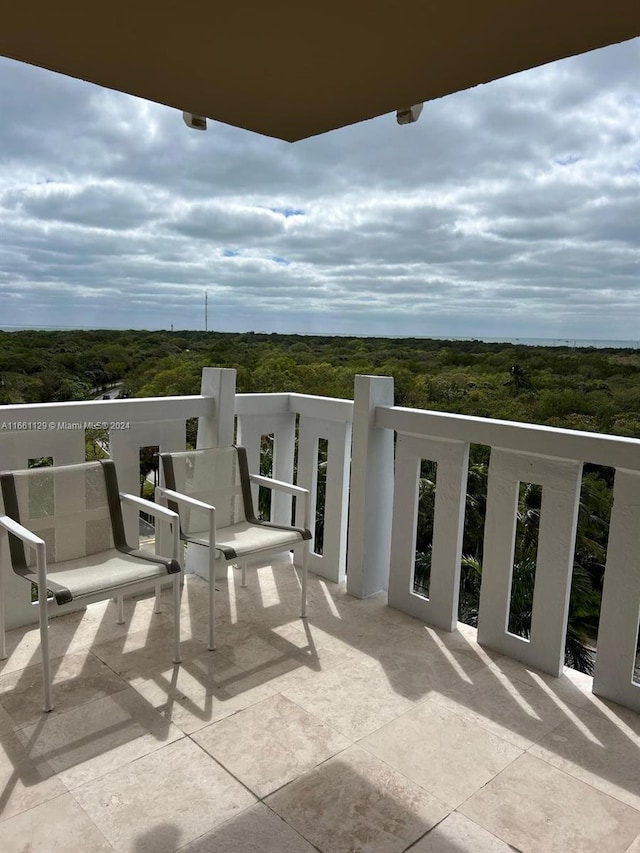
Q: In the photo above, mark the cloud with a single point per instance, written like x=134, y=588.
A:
x=104, y=205
x=225, y=221
x=510, y=209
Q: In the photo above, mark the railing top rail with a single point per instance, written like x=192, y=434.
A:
x=309, y=405
x=614, y=451
x=262, y=404
x=134, y=409
x=327, y=408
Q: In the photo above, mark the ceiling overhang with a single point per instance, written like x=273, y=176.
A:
x=290, y=70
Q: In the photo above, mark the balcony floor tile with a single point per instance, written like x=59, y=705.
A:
x=25, y=780
x=597, y=750
x=458, y=834
x=163, y=801
x=257, y=830
x=635, y=847
x=86, y=742
x=291, y=741
x=390, y=814
x=57, y=826
x=353, y=698
x=145, y=652
x=539, y=809
x=509, y=708
x=77, y=678
x=201, y=691
x=445, y=753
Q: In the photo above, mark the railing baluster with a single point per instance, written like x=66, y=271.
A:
x=620, y=608
x=331, y=564
x=441, y=607
x=319, y=417
x=250, y=430
x=560, y=480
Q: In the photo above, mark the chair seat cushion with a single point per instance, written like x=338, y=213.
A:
x=100, y=572
x=245, y=539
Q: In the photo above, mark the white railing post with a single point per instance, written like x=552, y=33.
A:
x=220, y=384
x=620, y=608
x=371, y=507
x=216, y=430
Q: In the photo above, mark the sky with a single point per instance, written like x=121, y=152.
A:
x=508, y=210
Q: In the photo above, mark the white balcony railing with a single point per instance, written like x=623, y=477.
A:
x=311, y=419
x=372, y=485
x=520, y=453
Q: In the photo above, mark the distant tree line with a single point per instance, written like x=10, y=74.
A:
x=589, y=389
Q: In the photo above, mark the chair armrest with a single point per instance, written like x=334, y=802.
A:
x=280, y=485
x=169, y=495
x=160, y=513
x=179, y=498
x=289, y=488
x=149, y=507
x=21, y=532
x=34, y=541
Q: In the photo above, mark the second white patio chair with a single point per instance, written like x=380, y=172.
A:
x=211, y=489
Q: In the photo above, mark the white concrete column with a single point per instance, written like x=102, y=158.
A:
x=620, y=608
x=371, y=506
x=217, y=430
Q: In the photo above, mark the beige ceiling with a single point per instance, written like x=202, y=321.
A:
x=291, y=69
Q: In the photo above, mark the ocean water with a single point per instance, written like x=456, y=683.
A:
x=574, y=343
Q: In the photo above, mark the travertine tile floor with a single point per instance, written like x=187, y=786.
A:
x=357, y=730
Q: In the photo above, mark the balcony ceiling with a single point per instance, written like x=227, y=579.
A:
x=290, y=70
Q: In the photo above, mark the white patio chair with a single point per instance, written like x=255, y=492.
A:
x=211, y=490
x=70, y=520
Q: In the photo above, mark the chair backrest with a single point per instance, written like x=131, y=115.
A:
x=74, y=508
x=217, y=476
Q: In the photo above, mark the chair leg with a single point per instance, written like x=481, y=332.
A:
x=212, y=603
x=177, y=598
x=303, y=603
x=243, y=582
x=44, y=647
x=3, y=624
x=120, y=619
x=158, y=606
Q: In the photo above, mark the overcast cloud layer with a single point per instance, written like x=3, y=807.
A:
x=509, y=210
